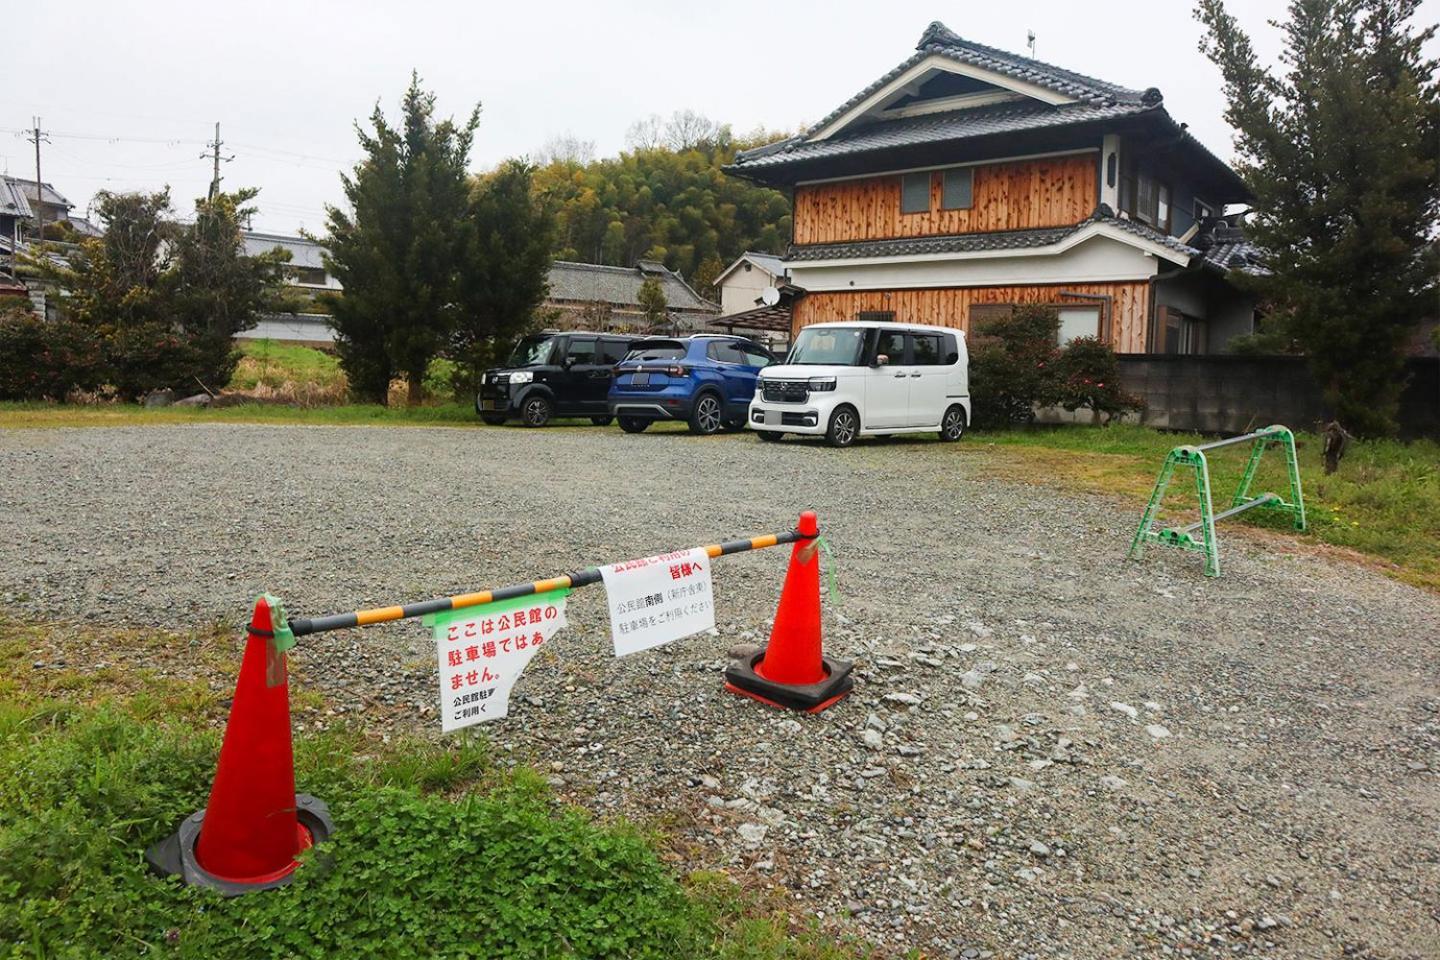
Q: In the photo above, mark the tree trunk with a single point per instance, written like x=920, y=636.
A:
x=417, y=390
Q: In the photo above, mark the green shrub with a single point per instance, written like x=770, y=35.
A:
x=501, y=871
x=45, y=360
x=1088, y=376
x=1012, y=366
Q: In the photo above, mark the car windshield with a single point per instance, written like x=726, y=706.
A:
x=830, y=346
x=531, y=351
x=656, y=350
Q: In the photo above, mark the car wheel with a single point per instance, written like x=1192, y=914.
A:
x=952, y=425
x=770, y=436
x=537, y=411
x=634, y=424
x=706, y=418
x=844, y=427
x=494, y=419
x=601, y=421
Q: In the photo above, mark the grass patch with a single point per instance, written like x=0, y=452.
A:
x=41, y=415
x=275, y=364
x=439, y=851
x=1384, y=501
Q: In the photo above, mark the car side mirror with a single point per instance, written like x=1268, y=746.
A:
x=882, y=360
x=568, y=362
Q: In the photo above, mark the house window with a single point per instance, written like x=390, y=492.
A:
x=915, y=193
x=1152, y=201
x=983, y=313
x=1078, y=322
x=311, y=275
x=1203, y=211
x=959, y=189
x=876, y=316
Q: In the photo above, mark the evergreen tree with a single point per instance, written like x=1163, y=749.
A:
x=652, y=300
x=399, y=248
x=1340, y=152
x=505, y=269
x=217, y=290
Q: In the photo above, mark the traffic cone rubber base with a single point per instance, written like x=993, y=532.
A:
x=741, y=678
x=175, y=855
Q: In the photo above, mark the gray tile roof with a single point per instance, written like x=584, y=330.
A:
x=1231, y=252
x=13, y=202
x=935, y=128
x=589, y=282
x=49, y=193
x=920, y=246
x=972, y=242
x=1096, y=100
x=303, y=252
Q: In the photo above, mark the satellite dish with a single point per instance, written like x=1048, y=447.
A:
x=770, y=296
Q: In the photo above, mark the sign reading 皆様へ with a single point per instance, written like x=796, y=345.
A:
x=658, y=599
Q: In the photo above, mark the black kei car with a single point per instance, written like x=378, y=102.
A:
x=553, y=375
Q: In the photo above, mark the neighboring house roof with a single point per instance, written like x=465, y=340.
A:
x=47, y=193
x=590, y=282
x=1230, y=250
x=303, y=252
x=13, y=202
x=771, y=263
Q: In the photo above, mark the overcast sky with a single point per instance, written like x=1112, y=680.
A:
x=130, y=91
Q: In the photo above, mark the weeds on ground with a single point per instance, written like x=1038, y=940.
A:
x=1383, y=501
x=438, y=850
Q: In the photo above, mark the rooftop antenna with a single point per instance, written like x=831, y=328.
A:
x=1030, y=42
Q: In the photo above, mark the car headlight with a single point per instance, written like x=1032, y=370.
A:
x=524, y=376
x=821, y=384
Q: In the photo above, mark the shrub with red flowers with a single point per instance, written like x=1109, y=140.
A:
x=1088, y=378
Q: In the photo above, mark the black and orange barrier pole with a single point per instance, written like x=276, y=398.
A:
x=255, y=826
x=584, y=578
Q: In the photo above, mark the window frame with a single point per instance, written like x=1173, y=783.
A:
x=945, y=178
x=912, y=340
x=904, y=336
x=570, y=358
x=907, y=178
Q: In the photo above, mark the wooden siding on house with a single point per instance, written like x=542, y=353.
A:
x=1020, y=195
x=950, y=306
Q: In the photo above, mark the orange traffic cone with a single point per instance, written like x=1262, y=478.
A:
x=792, y=671
x=253, y=828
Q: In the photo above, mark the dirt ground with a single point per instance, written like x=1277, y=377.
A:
x=1050, y=751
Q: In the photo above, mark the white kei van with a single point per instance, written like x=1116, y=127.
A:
x=850, y=379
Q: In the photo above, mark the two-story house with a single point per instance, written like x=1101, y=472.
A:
x=969, y=180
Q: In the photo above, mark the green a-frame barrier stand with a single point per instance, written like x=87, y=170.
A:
x=1201, y=534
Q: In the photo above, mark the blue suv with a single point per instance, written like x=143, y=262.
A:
x=705, y=380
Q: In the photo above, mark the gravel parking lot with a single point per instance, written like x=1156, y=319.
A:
x=1050, y=752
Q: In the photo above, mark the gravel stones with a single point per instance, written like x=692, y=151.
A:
x=901, y=815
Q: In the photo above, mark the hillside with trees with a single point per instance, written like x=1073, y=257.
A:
x=665, y=197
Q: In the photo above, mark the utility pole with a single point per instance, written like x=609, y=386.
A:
x=215, y=158
x=37, y=137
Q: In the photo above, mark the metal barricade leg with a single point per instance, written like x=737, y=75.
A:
x=1144, y=533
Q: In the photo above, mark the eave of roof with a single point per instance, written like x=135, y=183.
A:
x=999, y=241
x=1095, y=101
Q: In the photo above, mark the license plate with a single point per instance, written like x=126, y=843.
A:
x=487, y=404
x=640, y=379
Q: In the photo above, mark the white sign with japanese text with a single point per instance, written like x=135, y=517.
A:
x=658, y=599
x=483, y=650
